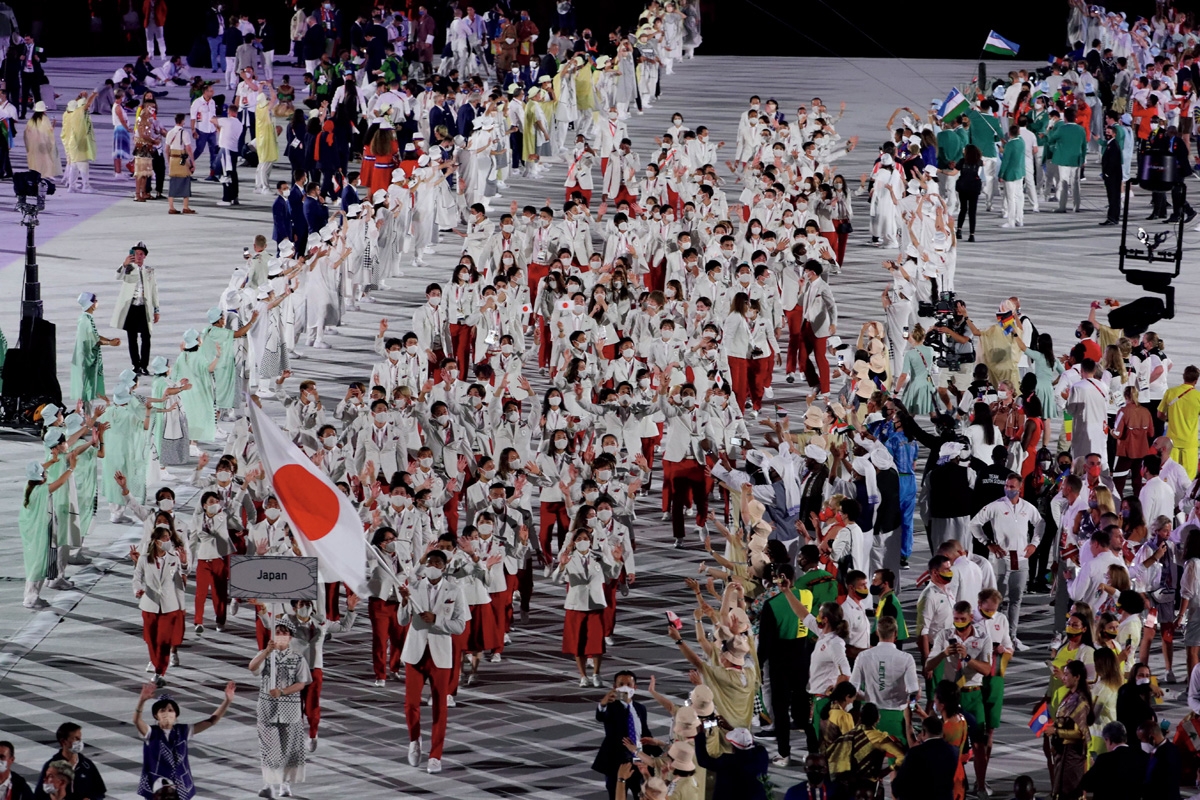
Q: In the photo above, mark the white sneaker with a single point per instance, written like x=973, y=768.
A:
x=781, y=761
x=312, y=745
x=321, y=346
x=380, y=683
x=150, y=667
x=193, y=451
x=1008, y=225
x=666, y=516
x=435, y=765
x=117, y=518
x=61, y=585
x=450, y=703
x=234, y=607
x=546, y=572
x=608, y=642
x=220, y=629
x=596, y=679
x=174, y=659
x=285, y=790
x=414, y=753
x=1019, y=646
x=584, y=682
x=38, y=603
x=268, y=788
x=429, y=250
x=495, y=659
x=507, y=639
x=768, y=393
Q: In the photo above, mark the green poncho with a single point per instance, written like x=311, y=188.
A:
x=126, y=449
x=225, y=375
x=87, y=365
x=34, y=524
x=198, y=402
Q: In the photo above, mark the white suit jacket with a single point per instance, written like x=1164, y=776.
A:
x=450, y=608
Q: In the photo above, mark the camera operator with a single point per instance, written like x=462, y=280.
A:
x=954, y=340
x=136, y=309
x=1169, y=142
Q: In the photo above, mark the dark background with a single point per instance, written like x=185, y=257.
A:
x=823, y=28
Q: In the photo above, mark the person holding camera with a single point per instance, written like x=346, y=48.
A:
x=136, y=308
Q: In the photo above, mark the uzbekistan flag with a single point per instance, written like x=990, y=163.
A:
x=1000, y=46
x=955, y=105
x=1040, y=720
x=325, y=523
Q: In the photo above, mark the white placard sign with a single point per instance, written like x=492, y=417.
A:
x=273, y=577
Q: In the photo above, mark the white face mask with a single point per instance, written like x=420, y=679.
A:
x=689, y=401
x=443, y=419
x=506, y=349
x=49, y=788
x=624, y=226
x=389, y=547
x=604, y=475
x=271, y=513
x=426, y=462
x=555, y=402
x=394, y=355
x=560, y=444
x=212, y=509
x=583, y=546
x=627, y=353
x=411, y=349
x=435, y=301
x=1143, y=681
x=591, y=497
x=452, y=374
x=485, y=529
x=644, y=383
x=304, y=613
x=611, y=449
x=604, y=514
x=507, y=229
x=3, y=765
x=513, y=417
x=329, y=441
x=166, y=504
x=434, y=574
x=224, y=476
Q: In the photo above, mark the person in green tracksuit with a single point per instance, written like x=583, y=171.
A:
x=984, y=132
x=951, y=141
x=1012, y=175
x=1068, y=143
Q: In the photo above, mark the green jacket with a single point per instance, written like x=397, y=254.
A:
x=789, y=626
x=984, y=133
x=1012, y=162
x=950, y=146
x=1068, y=144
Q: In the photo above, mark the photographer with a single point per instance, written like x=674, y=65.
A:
x=136, y=308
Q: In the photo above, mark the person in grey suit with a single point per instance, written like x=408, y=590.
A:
x=136, y=308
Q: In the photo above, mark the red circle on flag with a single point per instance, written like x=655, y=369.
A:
x=312, y=506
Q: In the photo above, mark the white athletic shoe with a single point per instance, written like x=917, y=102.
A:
x=414, y=752
x=434, y=766
x=495, y=659
x=450, y=703
x=380, y=683
x=768, y=393
x=596, y=679
x=584, y=682
x=150, y=667
x=312, y=745
x=507, y=639
x=608, y=642
x=285, y=790
x=174, y=659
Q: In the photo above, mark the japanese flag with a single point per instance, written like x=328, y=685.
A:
x=325, y=523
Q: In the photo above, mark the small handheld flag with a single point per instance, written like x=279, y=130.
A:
x=1000, y=46
x=1040, y=720
x=954, y=105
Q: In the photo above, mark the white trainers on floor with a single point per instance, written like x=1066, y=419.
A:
x=150, y=667
x=434, y=766
x=451, y=702
x=414, y=753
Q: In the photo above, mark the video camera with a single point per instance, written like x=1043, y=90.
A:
x=951, y=355
x=31, y=190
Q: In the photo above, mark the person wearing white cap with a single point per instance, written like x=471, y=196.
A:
x=426, y=179
x=41, y=145
x=739, y=774
x=87, y=363
x=79, y=142
x=36, y=523
x=282, y=742
x=219, y=343
x=886, y=194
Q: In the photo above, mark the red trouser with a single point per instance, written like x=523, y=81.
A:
x=415, y=676
x=623, y=194
x=512, y=581
x=687, y=484
x=795, y=320
x=385, y=630
x=460, y=647
x=333, y=601
x=545, y=346
x=310, y=697
x=536, y=272
x=461, y=337
x=815, y=346
x=609, y=614
x=435, y=365
x=160, y=632
x=841, y=243
x=212, y=574
x=262, y=634
x=759, y=377
x=501, y=610
x=657, y=278
x=550, y=514
x=451, y=512
x=832, y=237
x=739, y=376
x=570, y=190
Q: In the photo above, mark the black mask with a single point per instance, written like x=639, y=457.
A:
x=877, y=589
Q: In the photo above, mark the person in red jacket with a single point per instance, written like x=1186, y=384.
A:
x=154, y=12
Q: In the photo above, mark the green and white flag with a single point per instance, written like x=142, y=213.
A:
x=1000, y=46
x=954, y=105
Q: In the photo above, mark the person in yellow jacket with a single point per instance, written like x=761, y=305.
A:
x=79, y=142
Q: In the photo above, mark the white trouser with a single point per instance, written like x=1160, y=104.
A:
x=231, y=72
x=155, y=34
x=586, y=125
x=1030, y=182
x=1068, y=181
x=423, y=229
x=990, y=165
x=946, y=187
x=558, y=136
x=1014, y=202
x=268, y=64
x=888, y=230
x=898, y=316
x=885, y=551
x=33, y=590
x=262, y=176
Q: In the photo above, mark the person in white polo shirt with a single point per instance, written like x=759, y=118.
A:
x=887, y=676
x=1017, y=528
